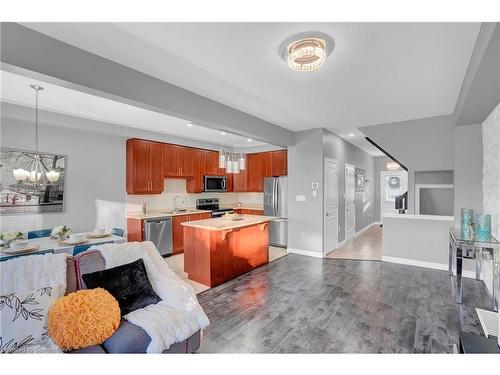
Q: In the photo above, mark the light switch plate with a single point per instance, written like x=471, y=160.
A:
x=315, y=185
x=300, y=198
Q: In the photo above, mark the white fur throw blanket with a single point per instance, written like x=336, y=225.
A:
x=31, y=272
x=178, y=315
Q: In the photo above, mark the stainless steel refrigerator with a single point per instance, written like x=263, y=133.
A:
x=275, y=204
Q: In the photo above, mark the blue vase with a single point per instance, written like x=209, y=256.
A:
x=466, y=216
x=483, y=227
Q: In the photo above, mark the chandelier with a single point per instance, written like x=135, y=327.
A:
x=36, y=174
x=392, y=166
x=305, y=55
x=232, y=162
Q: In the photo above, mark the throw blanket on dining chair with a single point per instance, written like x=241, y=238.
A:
x=178, y=315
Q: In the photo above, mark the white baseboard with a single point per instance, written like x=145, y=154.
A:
x=305, y=252
x=420, y=263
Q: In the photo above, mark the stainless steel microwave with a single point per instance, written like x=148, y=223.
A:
x=215, y=183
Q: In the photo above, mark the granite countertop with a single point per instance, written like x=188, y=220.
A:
x=223, y=223
x=158, y=214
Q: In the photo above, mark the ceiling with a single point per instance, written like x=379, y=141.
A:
x=15, y=89
x=377, y=73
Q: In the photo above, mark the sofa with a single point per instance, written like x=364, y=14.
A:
x=129, y=338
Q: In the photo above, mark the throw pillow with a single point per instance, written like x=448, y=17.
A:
x=83, y=318
x=128, y=283
x=23, y=320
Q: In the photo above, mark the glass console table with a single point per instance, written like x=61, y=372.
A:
x=464, y=248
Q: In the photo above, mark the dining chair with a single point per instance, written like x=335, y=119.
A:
x=39, y=233
x=118, y=232
x=49, y=251
x=81, y=248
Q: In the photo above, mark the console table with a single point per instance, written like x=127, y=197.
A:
x=464, y=248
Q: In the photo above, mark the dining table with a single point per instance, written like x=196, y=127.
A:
x=58, y=247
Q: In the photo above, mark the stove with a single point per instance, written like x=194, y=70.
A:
x=212, y=204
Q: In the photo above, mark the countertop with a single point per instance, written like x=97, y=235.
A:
x=222, y=223
x=418, y=217
x=158, y=214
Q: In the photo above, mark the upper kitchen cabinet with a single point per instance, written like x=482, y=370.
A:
x=144, y=167
x=212, y=163
x=240, y=181
x=254, y=172
x=196, y=184
x=178, y=161
x=279, y=163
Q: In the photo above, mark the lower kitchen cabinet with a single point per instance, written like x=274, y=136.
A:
x=178, y=232
x=246, y=211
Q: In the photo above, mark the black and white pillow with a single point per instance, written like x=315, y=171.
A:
x=23, y=320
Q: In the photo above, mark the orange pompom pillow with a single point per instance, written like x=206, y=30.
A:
x=83, y=318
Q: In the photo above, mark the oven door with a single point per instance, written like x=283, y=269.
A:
x=215, y=183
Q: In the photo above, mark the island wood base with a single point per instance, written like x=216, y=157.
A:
x=212, y=257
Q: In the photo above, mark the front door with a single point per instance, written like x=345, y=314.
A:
x=331, y=198
x=350, y=208
x=392, y=184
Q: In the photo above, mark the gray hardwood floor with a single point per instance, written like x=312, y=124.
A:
x=299, y=304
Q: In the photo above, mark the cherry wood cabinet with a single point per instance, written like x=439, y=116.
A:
x=196, y=184
x=246, y=211
x=178, y=161
x=240, y=181
x=144, y=167
x=279, y=163
x=259, y=166
x=212, y=163
x=177, y=229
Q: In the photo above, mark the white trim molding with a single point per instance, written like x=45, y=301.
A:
x=420, y=263
x=308, y=253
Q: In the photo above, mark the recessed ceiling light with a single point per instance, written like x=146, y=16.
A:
x=189, y=124
x=249, y=139
x=222, y=132
x=351, y=134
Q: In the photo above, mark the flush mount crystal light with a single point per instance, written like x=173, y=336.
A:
x=392, y=166
x=306, y=52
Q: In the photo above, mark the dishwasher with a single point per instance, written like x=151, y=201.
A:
x=159, y=231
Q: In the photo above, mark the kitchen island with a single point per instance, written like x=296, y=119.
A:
x=220, y=249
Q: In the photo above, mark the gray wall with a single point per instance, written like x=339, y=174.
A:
x=305, y=166
x=95, y=185
x=421, y=145
x=468, y=168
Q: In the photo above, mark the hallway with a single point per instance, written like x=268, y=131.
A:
x=365, y=246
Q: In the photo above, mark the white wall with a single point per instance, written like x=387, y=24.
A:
x=491, y=169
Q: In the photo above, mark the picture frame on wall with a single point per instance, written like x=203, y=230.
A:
x=29, y=195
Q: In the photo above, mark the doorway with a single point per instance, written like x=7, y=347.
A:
x=331, y=206
x=392, y=184
x=350, y=205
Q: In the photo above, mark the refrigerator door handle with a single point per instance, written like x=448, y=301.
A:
x=275, y=197
x=276, y=206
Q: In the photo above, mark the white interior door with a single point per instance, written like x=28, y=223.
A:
x=392, y=184
x=331, y=206
x=350, y=208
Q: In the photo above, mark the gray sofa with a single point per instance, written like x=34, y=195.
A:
x=129, y=338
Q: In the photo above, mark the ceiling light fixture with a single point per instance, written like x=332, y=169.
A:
x=351, y=134
x=249, y=140
x=189, y=124
x=392, y=166
x=306, y=52
x=222, y=132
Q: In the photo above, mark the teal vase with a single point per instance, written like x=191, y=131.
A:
x=466, y=220
x=483, y=227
